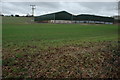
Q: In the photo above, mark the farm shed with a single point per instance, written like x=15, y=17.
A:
x=65, y=17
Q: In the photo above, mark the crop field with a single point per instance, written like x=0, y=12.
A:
x=60, y=51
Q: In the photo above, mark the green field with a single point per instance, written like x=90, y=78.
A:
x=17, y=20
x=57, y=33
x=59, y=50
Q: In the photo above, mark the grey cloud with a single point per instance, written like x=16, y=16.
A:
x=99, y=8
x=24, y=7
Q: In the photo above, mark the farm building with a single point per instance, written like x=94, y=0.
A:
x=65, y=17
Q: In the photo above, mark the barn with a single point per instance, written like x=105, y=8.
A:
x=65, y=17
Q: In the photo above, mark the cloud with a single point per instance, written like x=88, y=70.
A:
x=60, y=0
x=98, y=8
x=25, y=8
x=101, y=8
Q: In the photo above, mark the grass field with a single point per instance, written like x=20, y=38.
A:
x=16, y=20
x=57, y=33
x=60, y=50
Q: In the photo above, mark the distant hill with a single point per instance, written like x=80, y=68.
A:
x=17, y=20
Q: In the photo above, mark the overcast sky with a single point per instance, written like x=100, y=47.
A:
x=96, y=8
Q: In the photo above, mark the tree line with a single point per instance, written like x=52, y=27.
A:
x=16, y=15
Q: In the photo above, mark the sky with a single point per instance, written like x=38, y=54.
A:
x=93, y=8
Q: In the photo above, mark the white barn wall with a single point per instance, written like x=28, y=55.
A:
x=77, y=22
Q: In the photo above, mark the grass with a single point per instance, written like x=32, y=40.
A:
x=60, y=51
x=16, y=20
x=57, y=33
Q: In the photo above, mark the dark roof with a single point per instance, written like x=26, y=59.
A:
x=56, y=13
